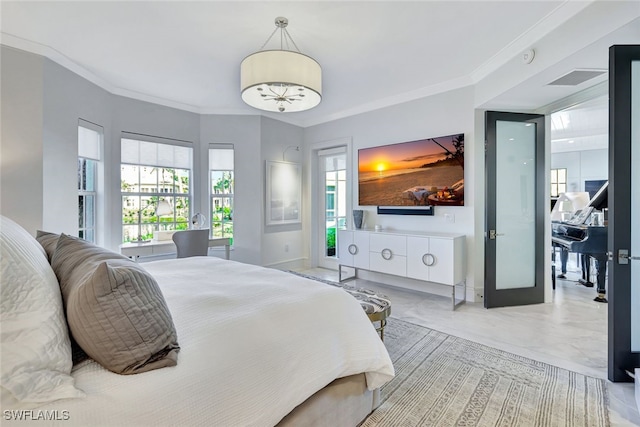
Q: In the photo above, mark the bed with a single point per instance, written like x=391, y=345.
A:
x=257, y=347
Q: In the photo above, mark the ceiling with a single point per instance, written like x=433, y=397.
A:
x=584, y=126
x=373, y=54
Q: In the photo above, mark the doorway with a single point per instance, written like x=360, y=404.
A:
x=332, y=203
x=579, y=169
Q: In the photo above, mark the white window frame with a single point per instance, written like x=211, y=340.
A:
x=89, y=154
x=558, y=186
x=213, y=197
x=160, y=193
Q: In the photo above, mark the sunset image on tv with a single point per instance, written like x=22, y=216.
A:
x=417, y=173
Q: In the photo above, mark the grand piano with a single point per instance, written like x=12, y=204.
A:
x=588, y=240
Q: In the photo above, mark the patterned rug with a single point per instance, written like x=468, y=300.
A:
x=442, y=380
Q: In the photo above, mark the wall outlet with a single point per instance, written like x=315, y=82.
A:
x=286, y=247
x=450, y=217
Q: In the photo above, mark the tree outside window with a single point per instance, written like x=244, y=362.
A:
x=221, y=190
x=222, y=203
x=144, y=186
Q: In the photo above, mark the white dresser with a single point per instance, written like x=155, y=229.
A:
x=431, y=257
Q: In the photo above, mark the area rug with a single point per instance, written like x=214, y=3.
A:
x=442, y=380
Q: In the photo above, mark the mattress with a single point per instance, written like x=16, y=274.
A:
x=255, y=344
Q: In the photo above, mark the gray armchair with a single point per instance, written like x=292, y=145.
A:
x=192, y=242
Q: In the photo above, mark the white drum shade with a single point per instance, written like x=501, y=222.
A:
x=281, y=80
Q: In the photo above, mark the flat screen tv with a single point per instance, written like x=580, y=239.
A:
x=427, y=172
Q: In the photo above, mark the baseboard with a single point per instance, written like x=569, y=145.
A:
x=637, y=383
x=296, y=263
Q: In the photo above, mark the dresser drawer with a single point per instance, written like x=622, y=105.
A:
x=397, y=244
x=388, y=262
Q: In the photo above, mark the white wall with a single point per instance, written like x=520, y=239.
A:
x=582, y=166
x=443, y=114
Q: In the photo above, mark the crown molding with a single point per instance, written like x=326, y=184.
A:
x=546, y=25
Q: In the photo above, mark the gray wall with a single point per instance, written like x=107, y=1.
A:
x=281, y=243
x=244, y=133
x=21, y=149
x=130, y=115
x=67, y=98
x=42, y=103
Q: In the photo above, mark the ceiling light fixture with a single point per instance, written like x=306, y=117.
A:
x=281, y=80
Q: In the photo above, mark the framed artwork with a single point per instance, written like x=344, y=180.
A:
x=283, y=193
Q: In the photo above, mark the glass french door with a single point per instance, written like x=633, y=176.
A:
x=624, y=208
x=515, y=203
x=333, y=203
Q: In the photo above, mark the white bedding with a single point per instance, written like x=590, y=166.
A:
x=255, y=343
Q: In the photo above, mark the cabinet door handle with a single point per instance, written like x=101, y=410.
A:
x=352, y=249
x=426, y=258
x=386, y=254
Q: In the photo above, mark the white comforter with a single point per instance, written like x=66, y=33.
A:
x=255, y=343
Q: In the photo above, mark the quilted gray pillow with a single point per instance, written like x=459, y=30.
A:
x=115, y=309
x=49, y=242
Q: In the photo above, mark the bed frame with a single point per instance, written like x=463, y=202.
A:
x=344, y=402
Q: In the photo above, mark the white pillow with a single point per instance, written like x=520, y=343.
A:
x=35, y=347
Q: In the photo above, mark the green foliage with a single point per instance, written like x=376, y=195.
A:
x=331, y=238
x=222, y=216
x=224, y=184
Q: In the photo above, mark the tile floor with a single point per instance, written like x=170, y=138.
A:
x=571, y=332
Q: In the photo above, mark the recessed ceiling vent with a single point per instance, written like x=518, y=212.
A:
x=576, y=77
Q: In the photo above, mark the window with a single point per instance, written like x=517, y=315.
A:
x=558, y=182
x=89, y=150
x=155, y=185
x=221, y=190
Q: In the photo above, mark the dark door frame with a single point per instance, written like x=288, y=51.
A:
x=523, y=296
x=621, y=358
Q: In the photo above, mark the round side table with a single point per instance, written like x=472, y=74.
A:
x=380, y=316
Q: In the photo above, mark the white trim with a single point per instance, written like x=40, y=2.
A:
x=330, y=151
x=557, y=17
x=288, y=264
x=155, y=139
x=589, y=94
x=316, y=188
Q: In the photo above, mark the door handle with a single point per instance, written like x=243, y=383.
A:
x=624, y=257
x=493, y=234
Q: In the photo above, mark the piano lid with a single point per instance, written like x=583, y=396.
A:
x=578, y=200
x=600, y=200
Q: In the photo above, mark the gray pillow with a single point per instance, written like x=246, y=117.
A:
x=115, y=309
x=48, y=241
